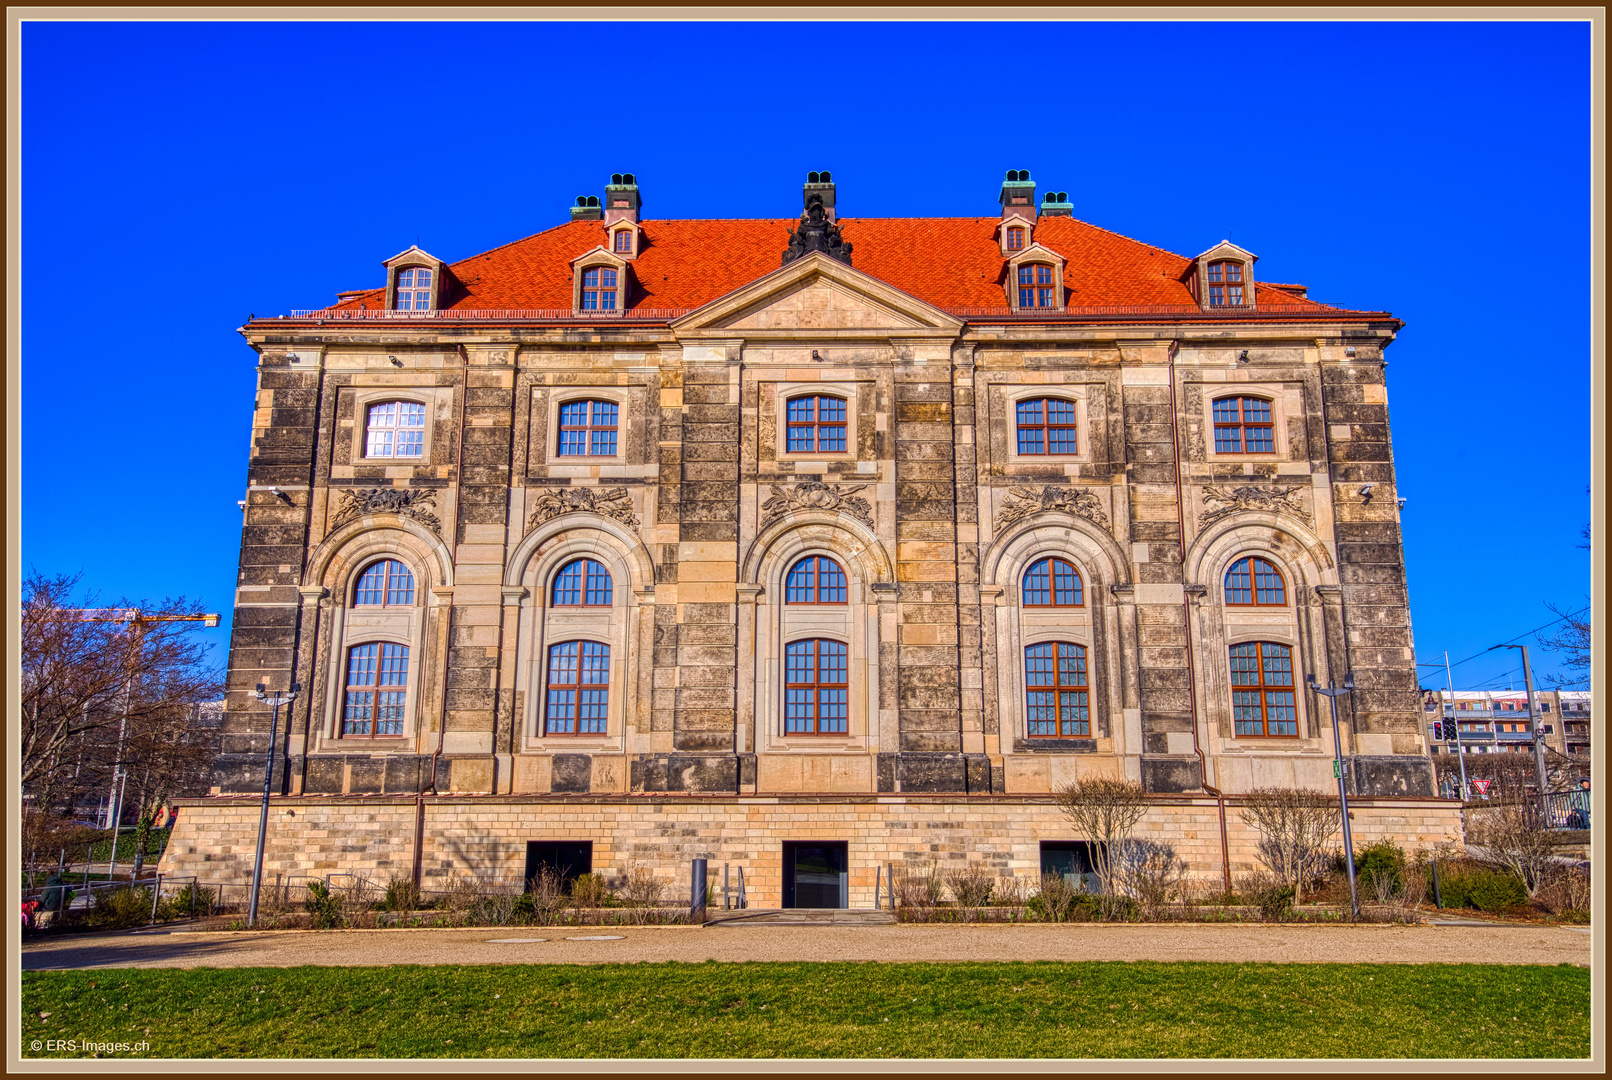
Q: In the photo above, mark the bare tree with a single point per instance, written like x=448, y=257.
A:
x=1517, y=835
x=1294, y=826
x=1107, y=811
x=1572, y=638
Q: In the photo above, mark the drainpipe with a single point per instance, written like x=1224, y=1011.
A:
x=1186, y=613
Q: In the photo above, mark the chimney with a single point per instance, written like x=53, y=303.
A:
x=621, y=201
x=587, y=209
x=820, y=184
x=1018, y=193
x=1056, y=204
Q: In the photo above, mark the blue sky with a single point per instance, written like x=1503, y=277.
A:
x=178, y=177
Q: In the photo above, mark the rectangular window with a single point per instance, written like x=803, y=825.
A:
x=1262, y=695
x=377, y=686
x=815, y=425
x=599, y=289
x=1056, y=691
x=816, y=688
x=578, y=688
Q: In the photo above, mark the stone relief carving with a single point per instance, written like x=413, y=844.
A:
x=1023, y=502
x=813, y=495
x=613, y=503
x=1196, y=445
x=404, y=502
x=1221, y=500
x=816, y=233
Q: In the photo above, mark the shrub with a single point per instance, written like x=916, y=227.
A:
x=1056, y=900
x=546, y=892
x=589, y=891
x=1380, y=868
x=921, y=888
x=119, y=909
x=1473, y=885
x=185, y=902
x=1518, y=837
x=971, y=886
x=1151, y=874
x=1271, y=895
x=402, y=894
x=322, y=905
x=1294, y=825
x=641, y=890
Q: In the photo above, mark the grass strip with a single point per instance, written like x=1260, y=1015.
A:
x=807, y=1010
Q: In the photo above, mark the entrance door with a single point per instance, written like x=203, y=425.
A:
x=815, y=875
x=570, y=859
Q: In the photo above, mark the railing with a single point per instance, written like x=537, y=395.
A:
x=1099, y=311
x=1568, y=809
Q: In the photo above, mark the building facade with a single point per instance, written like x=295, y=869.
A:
x=702, y=537
x=1496, y=721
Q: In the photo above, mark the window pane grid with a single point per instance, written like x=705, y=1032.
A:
x=578, y=700
x=1256, y=583
x=1225, y=283
x=1034, y=282
x=588, y=429
x=1057, y=702
x=376, y=691
x=1052, y=583
x=1243, y=426
x=816, y=687
x=815, y=425
x=384, y=584
x=1046, y=426
x=816, y=580
x=582, y=583
x=1263, y=700
x=395, y=429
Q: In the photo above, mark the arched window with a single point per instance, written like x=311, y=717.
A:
x=395, y=429
x=1253, y=582
x=815, y=580
x=623, y=244
x=582, y=583
x=1035, y=286
x=1262, y=700
x=1046, y=426
x=578, y=688
x=1225, y=284
x=414, y=289
x=816, y=688
x=387, y=583
x=1052, y=583
x=1056, y=692
x=1015, y=238
x=1243, y=425
x=599, y=289
x=816, y=425
x=588, y=428
x=376, y=692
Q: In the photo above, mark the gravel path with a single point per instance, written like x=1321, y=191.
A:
x=1250, y=943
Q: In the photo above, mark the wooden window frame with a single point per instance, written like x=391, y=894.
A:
x=595, y=293
x=1077, y=727
x=1262, y=690
x=816, y=688
x=817, y=587
x=386, y=590
x=589, y=428
x=1015, y=238
x=1223, y=290
x=375, y=688
x=621, y=242
x=1253, y=588
x=1242, y=425
x=576, y=687
x=1047, y=427
x=1052, y=585
x=592, y=570
x=817, y=425
x=1041, y=289
x=395, y=427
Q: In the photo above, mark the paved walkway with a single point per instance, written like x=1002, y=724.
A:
x=890, y=943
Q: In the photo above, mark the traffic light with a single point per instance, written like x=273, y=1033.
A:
x=1446, y=730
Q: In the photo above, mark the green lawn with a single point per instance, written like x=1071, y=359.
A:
x=1101, y=1010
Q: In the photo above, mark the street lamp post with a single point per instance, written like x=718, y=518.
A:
x=1535, y=731
x=275, y=700
x=1332, y=693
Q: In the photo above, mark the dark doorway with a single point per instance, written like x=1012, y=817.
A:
x=570, y=859
x=815, y=875
x=1073, y=860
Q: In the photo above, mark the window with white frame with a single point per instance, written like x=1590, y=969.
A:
x=387, y=583
x=599, y=288
x=588, y=428
x=414, y=289
x=394, y=429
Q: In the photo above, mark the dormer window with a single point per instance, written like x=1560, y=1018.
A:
x=1035, y=286
x=1015, y=238
x=414, y=289
x=623, y=242
x=1225, y=284
x=599, y=288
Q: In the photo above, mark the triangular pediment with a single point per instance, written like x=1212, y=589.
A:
x=1226, y=250
x=818, y=293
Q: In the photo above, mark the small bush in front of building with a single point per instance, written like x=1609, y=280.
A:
x=402, y=894
x=589, y=891
x=971, y=886
x=1271, y=895
x=1469, y=884
x=119, y=909
x=323, y=907
x=1380, y=868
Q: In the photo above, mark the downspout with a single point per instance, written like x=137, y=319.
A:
x=452, y=535
x=1186, y=614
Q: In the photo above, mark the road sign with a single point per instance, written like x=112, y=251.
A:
x=1482, y=786
x=1337, y=770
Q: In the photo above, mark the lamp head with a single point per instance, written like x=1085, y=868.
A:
x=1309, y=680
x=1349, y=681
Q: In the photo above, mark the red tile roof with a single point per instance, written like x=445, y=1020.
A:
x=951, y=263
